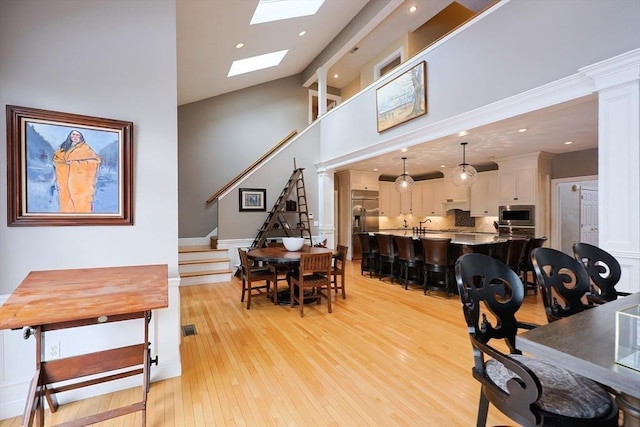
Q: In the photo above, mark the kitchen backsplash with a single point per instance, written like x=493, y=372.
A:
x=482, y=224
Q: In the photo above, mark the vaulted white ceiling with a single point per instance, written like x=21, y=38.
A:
x=208, y=31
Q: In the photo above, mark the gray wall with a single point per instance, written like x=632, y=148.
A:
x=219, y=137
x=104, y=59
x=273, y=177
x=578, y=163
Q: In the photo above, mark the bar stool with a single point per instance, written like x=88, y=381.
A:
x=409, y=262
x=438, y=268
x=370, y=253
x=388, y=265
x=527, y=265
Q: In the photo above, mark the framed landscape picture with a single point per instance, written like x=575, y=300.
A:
x=403, y=98
x=253, y=199
x=67, y=169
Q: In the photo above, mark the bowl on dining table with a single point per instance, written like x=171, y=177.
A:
x=293, y=243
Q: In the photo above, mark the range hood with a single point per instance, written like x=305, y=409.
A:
x=451, y=204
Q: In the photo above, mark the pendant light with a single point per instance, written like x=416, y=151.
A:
x=464, y=175
x=404, y=182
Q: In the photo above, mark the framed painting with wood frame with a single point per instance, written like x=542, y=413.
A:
x=403, y=98
x=253, y=199
x=68, y=169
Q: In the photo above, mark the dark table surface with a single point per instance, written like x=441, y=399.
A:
x=585, y=344
x=279, y=254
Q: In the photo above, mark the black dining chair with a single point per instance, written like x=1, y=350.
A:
x=603, y=269
x=530, y=391
x=563, y=282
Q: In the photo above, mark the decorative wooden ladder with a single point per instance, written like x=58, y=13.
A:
x=277, y=216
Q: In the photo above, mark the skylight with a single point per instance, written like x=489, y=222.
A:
x=241, y=66
x=275, y=10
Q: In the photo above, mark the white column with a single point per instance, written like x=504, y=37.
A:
x=617, y=81
x=326, y=202
x=322, y=90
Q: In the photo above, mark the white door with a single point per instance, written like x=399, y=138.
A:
x=589, y=216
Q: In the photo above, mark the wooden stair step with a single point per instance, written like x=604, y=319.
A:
x=198, y=248
x=205, y=273
x=203, y=261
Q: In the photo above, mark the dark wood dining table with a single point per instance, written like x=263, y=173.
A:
x=585, y=344
x=279, y=255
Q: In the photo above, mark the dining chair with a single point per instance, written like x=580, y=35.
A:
x=527, y=266
x=251, y=274
x=388, y=264
x=530, y=391
x=563, y=282
x=437, y=264
x=314, y=275
x=370, y=254
x=603, y=269
x=338, y=269
x=409, y=261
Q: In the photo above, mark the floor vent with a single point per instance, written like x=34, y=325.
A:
x=188, y=330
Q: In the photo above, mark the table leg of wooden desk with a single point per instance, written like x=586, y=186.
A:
x=630, y=407
x=34, y=407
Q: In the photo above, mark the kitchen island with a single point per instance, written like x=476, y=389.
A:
x=457, y=238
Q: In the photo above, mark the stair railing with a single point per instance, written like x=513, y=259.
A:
x=254, y=165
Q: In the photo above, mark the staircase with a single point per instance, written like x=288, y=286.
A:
x=199, y=265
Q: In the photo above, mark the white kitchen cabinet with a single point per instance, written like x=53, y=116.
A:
x=416, y=199
x=389, y=199
x=432, y=197
x=361, y=180
x=453, y=192
x=518, y=187
x=484, y=195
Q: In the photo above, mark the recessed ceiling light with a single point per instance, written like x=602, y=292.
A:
x=336, y=75
x=568, y=142
x=443, y=166
x=241, y=66
x=276, y=10
x=413, y=9
x=375, y=169
x=523, y=130
x=404, y=150
x=302, y=33
x=463, y=133
x=239, y=45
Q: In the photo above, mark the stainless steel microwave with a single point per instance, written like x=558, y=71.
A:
x=521, y=215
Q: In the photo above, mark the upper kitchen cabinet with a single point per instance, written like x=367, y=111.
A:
x=361, y=180
x=526, y=180
x=392, y=202
x=432, y=197
x=389, y=199
x=416, y=199
x=518, y=187
x=484, y=195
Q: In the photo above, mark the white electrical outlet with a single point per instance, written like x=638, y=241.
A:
x=53, y=350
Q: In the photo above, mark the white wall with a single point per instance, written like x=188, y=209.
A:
x=102, y=58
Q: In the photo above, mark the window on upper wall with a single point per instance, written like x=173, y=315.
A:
x=389, y=63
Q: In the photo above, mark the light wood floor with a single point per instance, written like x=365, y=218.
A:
x=385, y=357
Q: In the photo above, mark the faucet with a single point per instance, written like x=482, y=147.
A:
x=423, y=222
x=405, y=223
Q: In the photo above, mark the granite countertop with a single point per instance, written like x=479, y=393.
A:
x=460, y=238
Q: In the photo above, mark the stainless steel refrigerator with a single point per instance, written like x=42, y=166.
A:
x=364, y=217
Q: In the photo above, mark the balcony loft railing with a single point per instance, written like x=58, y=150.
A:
x=254, y=165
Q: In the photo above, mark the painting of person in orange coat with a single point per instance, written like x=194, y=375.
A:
x=76, y=166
